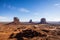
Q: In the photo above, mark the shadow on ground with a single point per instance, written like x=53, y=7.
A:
x=26, y=34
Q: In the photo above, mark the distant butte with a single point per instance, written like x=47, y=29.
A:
x=43, y=21
x=15, y=21
x=30, y=21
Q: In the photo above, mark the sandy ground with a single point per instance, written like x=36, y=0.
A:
x=53, y=34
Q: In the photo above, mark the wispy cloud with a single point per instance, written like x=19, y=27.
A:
x=1, y=17
x=8, y=6
x=57, y=5
x=4, y=19
x=11, y=7
x=15, y=8
x=23, y=10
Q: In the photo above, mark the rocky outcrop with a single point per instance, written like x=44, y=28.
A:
x=43, y=21
x=16, y=20
x=30, y=21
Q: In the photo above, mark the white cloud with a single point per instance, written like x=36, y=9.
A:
x=8, y=6
x=53, y=19
x=4, y=19
x=23, y=10
x=1, y=17
x=15, y=8
x=11, y=7
x=57, y=5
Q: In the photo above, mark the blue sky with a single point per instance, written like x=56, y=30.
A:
x=30, y=9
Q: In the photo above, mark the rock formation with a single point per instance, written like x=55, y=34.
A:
x=43, y=21
x=16, y=20
x=30, y=21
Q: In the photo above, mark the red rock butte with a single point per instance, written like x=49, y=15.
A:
x=16, y=21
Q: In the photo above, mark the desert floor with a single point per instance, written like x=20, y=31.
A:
x=47, y=32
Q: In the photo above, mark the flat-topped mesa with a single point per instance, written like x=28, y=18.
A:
x=43, y=21
x=16, y=20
